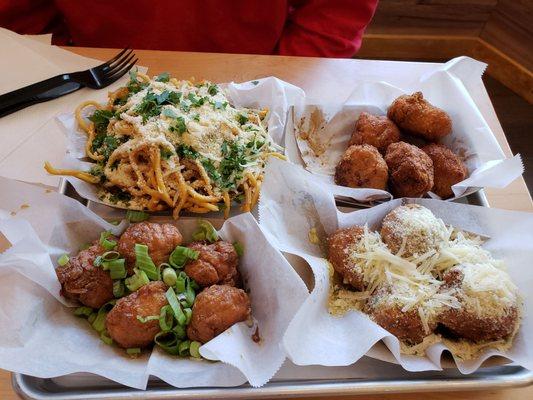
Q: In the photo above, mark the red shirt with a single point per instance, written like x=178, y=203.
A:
x=325, y=28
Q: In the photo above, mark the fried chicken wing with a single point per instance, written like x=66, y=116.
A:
x=216, y=264
x=216, y=309
x=415, y=115
x=411, y=170
x=448, y=169
x=161, y=240
x=122, y=323
x=377, y=131
x=81, y=280
x=362, y=166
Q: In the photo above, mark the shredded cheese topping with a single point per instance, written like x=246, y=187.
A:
x=415, y=282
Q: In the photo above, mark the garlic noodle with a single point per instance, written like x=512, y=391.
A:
x=165, y=143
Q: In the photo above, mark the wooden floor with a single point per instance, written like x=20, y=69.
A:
x=516, y=116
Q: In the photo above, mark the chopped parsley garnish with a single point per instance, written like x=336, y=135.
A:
x=167, y=97
x=110, y=144
x=165, y=153
x=255, y=83
x=219, y=105
x=120, y=101
x=152, y=103
x=134, y=86
x=255, y=145
x=212, y=90
x=231, y=168
x=211, y=170
x=232, y=164
x=185, y=151
x=179, y=126
x=242, y=118
x=163, y=77
x=101, y=118
x=169, y=112
x=106, y=144
x=118, y=195
x=185, y=106
x=196, y=101
x=196, y=117
x=98, y=170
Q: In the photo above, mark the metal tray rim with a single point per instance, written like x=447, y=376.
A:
x=521, y=378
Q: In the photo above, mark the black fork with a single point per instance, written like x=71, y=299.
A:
x=95, y=78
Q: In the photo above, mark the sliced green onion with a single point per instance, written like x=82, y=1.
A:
x=166, y=318
x=194, y=285
x=205, y=231
x=144, y=320
x=194, y=349
x=105, y=242
x=92, y=317
x=136, y=216
x=83, y=312
x=98, y=261
x=176, y=307
x=118, y=289
x=145, y=263
x=110, y=256
x=138, y=279
x=114, y=222
x=181, y=332
x=99, y=322
x=189, y=293
x=133, y=351
x=117, y=268
x=181, y=255
x=188, y=315
x=63, y=260
x=169, y=276
x=239, y=248
x=183, y=348
x=168, y=341
x=104, y=336
x=180, y=284
x=162, y=266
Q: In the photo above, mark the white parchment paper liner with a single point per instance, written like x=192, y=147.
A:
x=39, y=336
x=471, y=138
x=269, y=92
x=290, y=206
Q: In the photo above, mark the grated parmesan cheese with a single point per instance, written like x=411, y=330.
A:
x=415, y=281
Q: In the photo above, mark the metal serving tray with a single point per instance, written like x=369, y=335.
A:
x=366, y=376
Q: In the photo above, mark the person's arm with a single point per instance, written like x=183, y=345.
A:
x=326, y=28
x=28, y=17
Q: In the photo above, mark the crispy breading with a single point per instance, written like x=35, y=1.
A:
x=83, y=281
x=216, y=264
x=362, y=166
x=122, y=323
x=448, y=169
x=216, y=309
x=161, y=240
x=339, y=256
x=377, y=131
x=411, y=170
x=415, y=115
